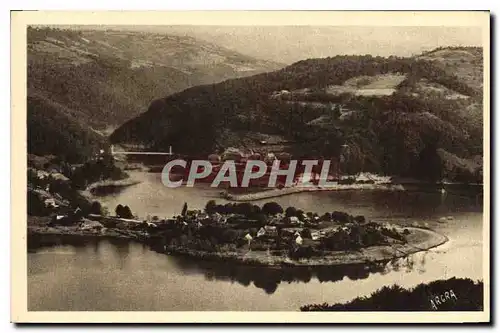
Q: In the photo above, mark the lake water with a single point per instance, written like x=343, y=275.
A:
x=118, y=275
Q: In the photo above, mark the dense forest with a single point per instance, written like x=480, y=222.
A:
x=399, y=133
x=53, y=131
x=441, y=295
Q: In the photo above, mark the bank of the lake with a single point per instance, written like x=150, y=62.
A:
x=151, y=197
x=279, y=192
x=107, y=187
x=420, y=240
x=113, y=274
x=42, y=232
x=101, y=274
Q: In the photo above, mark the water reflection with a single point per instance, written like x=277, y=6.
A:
x=269, y=279
x=151, y=197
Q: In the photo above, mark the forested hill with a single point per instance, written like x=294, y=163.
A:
x=393, y=113
x=102, y=78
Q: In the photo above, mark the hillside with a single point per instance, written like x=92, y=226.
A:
x=389, y=111
x=53, y=130
x=103, y=78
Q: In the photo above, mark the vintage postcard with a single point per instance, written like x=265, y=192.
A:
x=246, y=167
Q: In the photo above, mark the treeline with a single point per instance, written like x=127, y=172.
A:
x=441, y=295
x=100, y=169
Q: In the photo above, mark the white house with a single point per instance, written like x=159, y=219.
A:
x=50, y=202
x=298, y=240
x=315, y=235
x=261, y=232
x=271, y=230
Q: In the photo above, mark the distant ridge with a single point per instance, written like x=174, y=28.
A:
x=103, y=78
x=387, y=110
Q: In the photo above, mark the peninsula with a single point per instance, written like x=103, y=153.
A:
x=250, y=234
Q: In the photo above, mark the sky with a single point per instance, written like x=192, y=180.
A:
x=288, y=44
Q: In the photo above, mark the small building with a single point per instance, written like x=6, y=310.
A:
x=203, y=216
x=59, y=220
x=261, y=232
x=248, y=237
x=293, y=220
x=90, y=225
x=59, y=176
x=315, y=235
x=151, y=224
x=42, y=174
x=217, y=218
x=270, y=158
x=50, y=202
x=298, y=240
x=271, y=230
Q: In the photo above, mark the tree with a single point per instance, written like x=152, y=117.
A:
x=291, y=211
x=306, y=233
x=119, y=210
x=36, y=206
x=359, y=219
x=210, y=207
x=127, y=213
x=244, y=208
x=272, y=208
x=96, y=208
x=430, y=165
x=123, y=212
x=184, y=209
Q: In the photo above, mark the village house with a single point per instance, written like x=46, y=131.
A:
x=50, y=202
x=299, y=240
x=248, y=238
x=271, y=230
x=218, y=218
x=315, y=235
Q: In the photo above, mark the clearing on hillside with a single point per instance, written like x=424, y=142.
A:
x=377, y=85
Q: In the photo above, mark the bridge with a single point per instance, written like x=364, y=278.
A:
x=113, y=152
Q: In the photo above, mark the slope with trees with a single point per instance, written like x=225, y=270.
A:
x=305, y=104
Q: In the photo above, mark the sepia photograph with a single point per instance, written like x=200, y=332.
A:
x=311, y=166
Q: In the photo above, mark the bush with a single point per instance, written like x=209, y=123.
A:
x=36, y=206
x=211, y=207
x=347, y=181
x=341, y=217
x=326, y=217
x=305, y=252
x=244, y=208
x=359, y=219
x=119, y=210
x=123, y=212
x=291, y=211
x=96, y=208
x=272, y=208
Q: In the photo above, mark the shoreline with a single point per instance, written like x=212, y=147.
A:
x=370, y=255
x=108, y=185
x=44, y=236
x=294, y=190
